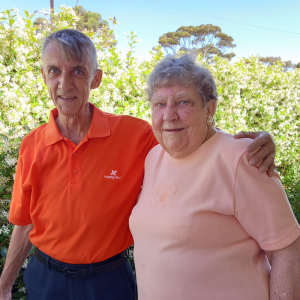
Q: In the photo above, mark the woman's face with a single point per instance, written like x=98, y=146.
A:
x=179, y=119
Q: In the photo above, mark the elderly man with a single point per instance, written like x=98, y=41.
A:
x=77, y=180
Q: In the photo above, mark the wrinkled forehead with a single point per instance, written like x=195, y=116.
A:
x=171, y=85
x=68, y=53
x=167, y=81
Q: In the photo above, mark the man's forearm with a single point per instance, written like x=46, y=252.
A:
x=18, y=250
x=285, y=273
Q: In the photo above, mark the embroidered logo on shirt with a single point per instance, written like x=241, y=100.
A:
x=112, y=175
x=166, y=193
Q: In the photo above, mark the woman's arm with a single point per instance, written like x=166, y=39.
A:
x=285, y=272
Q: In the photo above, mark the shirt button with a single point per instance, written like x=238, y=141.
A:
x=75, y=171
x=75, y=154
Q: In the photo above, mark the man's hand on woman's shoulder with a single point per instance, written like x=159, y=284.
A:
x=266, y=155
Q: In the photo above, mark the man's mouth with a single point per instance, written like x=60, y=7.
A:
x=66, y=98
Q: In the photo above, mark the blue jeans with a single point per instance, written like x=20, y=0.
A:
x=45, y=284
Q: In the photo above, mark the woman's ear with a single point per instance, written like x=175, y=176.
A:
x=211, y=107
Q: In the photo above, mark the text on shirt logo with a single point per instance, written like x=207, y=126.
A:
x=112, y=175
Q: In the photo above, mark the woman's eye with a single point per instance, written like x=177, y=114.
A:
x=183, y=102
x=53, y=71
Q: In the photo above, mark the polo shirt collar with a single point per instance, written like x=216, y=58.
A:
x=99, y=126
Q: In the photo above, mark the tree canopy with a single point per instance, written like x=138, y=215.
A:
x=85, y=21
x=206, y=39
x=274, y=60
x=40, y=22
x=89, y=20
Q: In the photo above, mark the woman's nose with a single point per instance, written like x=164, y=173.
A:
x=170, y=113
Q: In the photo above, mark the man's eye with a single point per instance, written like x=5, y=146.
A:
x=53, y=71
x=159, y=104
x=78, y=72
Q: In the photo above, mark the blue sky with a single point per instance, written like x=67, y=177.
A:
x=265, y=28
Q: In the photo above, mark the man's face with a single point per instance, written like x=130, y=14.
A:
x=69, y=82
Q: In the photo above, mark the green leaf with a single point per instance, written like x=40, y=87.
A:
x=26, y=13
x=4, y=251
x=32, y=250
x=11, y=22
x=4, y=137
x=17, y=295
x=7, y=197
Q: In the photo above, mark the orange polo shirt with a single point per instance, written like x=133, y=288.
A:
x=79, y=198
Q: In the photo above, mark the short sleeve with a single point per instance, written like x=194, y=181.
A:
x=19, y=213
x=262, y=208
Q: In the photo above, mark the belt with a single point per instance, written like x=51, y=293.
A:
x=90, y=270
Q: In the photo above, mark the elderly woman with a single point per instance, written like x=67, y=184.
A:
x=207, y=225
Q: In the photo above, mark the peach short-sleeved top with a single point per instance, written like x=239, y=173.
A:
x=202, y=222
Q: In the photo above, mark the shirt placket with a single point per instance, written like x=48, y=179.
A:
x=75, y=163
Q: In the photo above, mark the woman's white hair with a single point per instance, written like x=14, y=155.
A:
x=72, y=44
x=184, y=71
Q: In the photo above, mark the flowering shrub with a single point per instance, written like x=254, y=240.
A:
x=252, y=97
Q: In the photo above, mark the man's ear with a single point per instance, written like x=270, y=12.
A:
x=97, y=79
x=43, y=74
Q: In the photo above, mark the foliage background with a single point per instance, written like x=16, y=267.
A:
x=252, y=97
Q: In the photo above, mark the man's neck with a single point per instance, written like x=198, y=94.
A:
x=76, y=127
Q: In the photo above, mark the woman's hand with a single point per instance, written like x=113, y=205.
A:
x=266, y=155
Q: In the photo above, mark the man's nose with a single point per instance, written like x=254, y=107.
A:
x=170, y=113
x=65, y=82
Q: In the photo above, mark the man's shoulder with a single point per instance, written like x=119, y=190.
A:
x=34, y=134
x=31, y=140
x=128, y=122
x=125, y=118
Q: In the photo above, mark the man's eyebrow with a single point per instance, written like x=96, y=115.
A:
x=79, y=67
x=52, y=66
x=75, y=67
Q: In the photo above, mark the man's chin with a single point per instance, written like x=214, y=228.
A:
x=68, y=112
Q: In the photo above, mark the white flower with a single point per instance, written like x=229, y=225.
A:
x=22, y=289
x=24, y=266
x=11, y=161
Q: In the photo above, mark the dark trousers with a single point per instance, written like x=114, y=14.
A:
x=45, y=284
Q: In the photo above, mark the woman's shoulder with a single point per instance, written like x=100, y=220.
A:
x=155, y=152
x=227, y=144
x=227, y=150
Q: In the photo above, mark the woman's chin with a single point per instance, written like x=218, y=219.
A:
x=175, y=151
